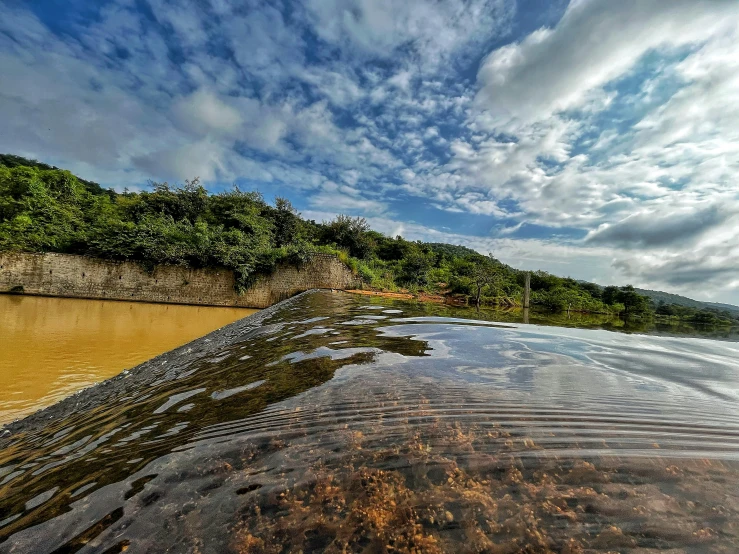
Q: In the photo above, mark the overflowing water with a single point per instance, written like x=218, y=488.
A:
x=334, y=425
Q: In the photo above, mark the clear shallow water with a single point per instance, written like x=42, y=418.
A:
x=385, y=427
x=53, y=347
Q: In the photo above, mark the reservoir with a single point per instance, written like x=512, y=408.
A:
x=336, y=423
x=53, y=347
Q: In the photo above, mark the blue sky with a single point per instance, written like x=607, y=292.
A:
x=590, y=138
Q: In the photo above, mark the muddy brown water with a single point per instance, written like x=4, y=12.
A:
x=53, y=347
x=344, y=424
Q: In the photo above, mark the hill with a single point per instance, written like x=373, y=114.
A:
x=46, y=209
x=451, y=249
x=659, y=296
x=11, y=160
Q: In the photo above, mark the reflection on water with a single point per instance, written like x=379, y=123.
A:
x=663, y=327
x=53, y=347
x=341, y=426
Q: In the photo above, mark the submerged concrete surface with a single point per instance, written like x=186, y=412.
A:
x=71, y=276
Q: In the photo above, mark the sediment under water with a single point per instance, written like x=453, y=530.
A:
x=330, y=424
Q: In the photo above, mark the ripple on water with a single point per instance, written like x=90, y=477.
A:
x=419, y=433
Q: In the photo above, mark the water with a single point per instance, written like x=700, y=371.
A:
x=346, y=426
x=53, y=347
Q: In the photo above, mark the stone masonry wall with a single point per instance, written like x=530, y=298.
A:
x=82, y=277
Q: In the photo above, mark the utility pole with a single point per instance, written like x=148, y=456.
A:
x=527, y=291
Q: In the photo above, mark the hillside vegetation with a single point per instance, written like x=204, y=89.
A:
x=46, y=209
x=658, y=297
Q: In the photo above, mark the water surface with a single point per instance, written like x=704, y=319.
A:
x=53, y=347
x=338, y=424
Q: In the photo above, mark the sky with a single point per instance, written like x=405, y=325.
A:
x=595, y=139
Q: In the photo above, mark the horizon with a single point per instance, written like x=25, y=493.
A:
x=591, y=139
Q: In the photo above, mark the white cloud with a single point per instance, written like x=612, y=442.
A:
x=665, y=186
x=665, y=225
x=708, y=273
x=351, y=177
x=337, y=202
x=433, y=30
x=596, y=41
x=202, y=159
x=126, y=117
x=339, y=88
x=203, y=112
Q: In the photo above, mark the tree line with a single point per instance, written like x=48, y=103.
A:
x=696, y=316
x=46, y=209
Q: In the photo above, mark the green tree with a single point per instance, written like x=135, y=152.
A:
x=286, y=222
x=634, y=302
x=610, y=294
x=484, y=275
x=350, y=233
x=416, y=265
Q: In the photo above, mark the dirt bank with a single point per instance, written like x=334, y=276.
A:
x=421, y=296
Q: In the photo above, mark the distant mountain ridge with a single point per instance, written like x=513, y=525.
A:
x=669, y=298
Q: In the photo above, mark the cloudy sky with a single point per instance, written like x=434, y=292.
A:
x=592, y=138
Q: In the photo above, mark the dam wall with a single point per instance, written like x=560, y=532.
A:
x=70, y=276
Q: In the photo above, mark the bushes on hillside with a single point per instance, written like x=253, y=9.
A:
x=47, y=209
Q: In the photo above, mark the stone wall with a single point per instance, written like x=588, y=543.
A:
x=82, y=277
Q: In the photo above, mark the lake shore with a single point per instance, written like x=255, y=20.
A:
x=421, y=296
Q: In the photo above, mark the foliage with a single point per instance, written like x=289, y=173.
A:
x=286, y=222
x=664, y=298
x=10, y=160
x=43, y=208
x=484, y=275
x=702, y=316
x=350, y=233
